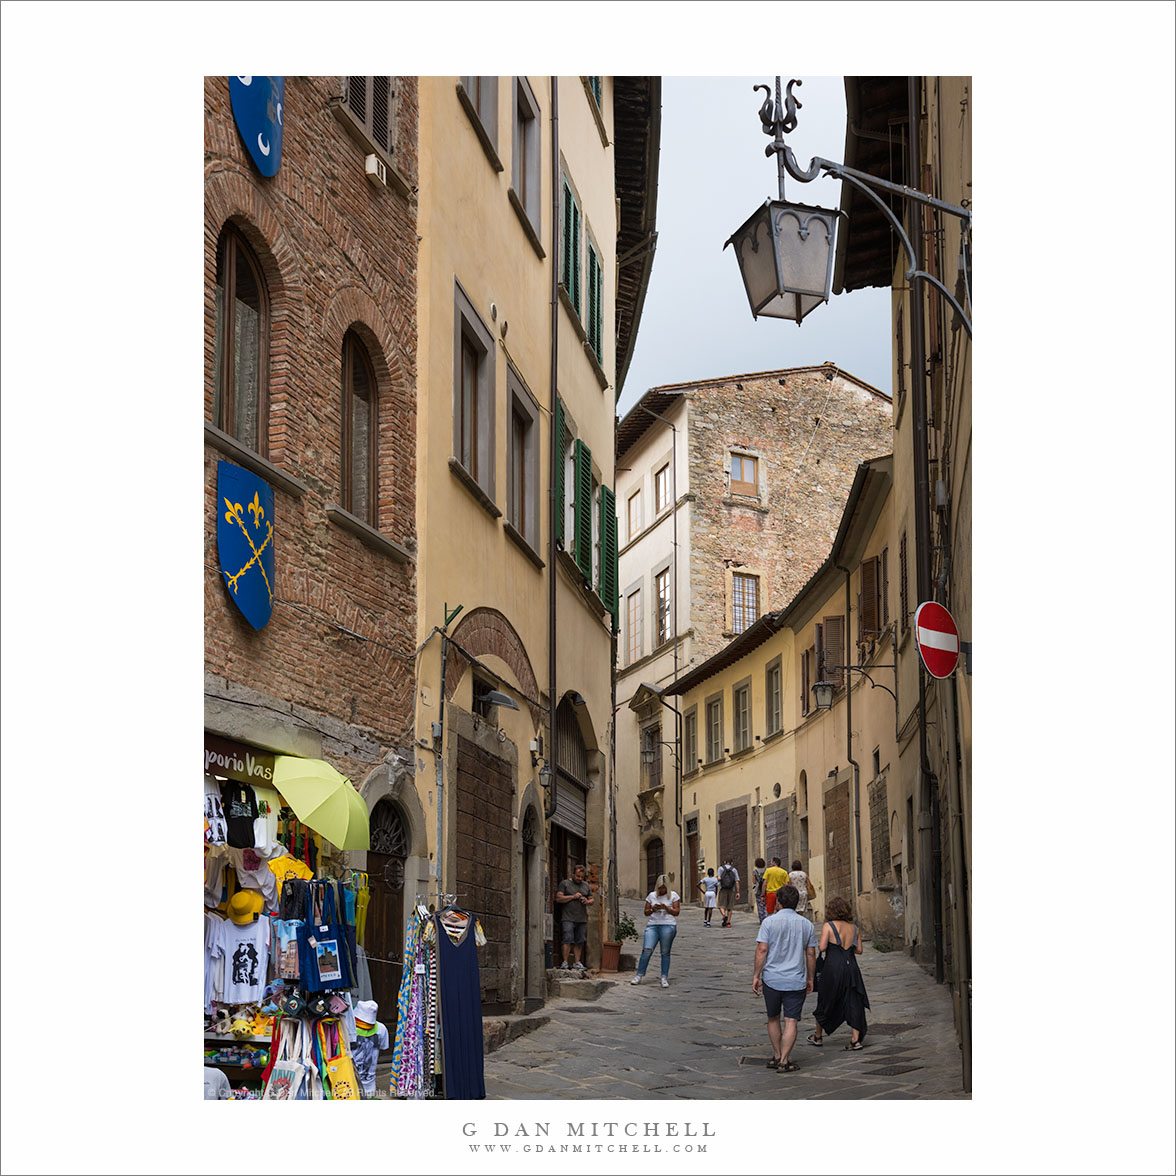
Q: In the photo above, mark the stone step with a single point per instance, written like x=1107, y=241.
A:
x=497, y=1031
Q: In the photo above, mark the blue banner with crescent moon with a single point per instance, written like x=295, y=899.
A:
x=257, y=109
x=245, y=540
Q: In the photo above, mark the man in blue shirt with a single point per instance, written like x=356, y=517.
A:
x=785, y=961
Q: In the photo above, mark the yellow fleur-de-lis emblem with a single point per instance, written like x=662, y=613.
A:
x=256, y=510
x=233, y=513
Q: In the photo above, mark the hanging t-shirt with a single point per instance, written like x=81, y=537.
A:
x=265, y=827
x=253, y=872
x=214, y=960
x=246, y=951
x=284, y=864
x=215, y=829
x=215, y=859
x=240, y=812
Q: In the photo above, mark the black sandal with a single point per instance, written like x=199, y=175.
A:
x=788, y=1067
x=774, y=1064
x=855, y=1045
x=814, y=1040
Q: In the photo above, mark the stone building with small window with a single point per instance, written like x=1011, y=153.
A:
x=729, y=494
x=310, y=393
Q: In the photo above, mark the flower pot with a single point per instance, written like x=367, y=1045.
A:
x=610, y=956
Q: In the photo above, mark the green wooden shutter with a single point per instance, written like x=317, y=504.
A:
x=557, y=470
x=575, y=291
x=582, y=539
x=608, y=552
x=592, y=342
x=566, y=267
x=599, y=275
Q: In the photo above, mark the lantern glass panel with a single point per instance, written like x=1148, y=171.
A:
x=804, y=242
x=756, y=255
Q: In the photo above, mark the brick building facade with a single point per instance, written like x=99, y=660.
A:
x=311, y=386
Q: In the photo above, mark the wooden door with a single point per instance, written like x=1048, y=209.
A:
x=692, y=866
x=838, y=847
x=733, y=844
x=384, y=929
x=654, y=863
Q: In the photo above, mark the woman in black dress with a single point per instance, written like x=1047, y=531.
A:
x=841, y=993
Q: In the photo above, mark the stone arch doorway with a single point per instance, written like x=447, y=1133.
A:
x=384, y=931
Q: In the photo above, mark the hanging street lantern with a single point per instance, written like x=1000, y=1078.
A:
x=785, y=251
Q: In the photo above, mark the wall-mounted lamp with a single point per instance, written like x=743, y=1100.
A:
x=497, y=698
x=536, y=751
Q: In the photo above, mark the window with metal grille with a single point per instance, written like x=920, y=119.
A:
x=241, y=343
x=744, y=601
x=369, y=101
x=744, y=473
x=597, y=91
x=359, y=431
x=662, y=585
x=741, y=715
x=651, y=749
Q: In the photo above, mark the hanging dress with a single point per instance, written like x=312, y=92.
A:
x=461, y=1012
x=841, y=994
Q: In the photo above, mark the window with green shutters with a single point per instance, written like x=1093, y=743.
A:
x=557, y=469
x=595, y=309
x=608, y=551
x=597, y=91
x=570, y=261
x=582, y=538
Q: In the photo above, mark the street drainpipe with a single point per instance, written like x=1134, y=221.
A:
x=556, y=456
x=857, y=805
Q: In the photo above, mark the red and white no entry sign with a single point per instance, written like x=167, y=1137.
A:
x=938, y=639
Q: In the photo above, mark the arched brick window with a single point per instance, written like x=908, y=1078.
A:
x=241, y=332
x=359, y=430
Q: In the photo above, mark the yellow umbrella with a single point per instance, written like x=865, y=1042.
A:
x=324, y=800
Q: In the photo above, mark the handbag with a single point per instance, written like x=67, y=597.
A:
x=288, y=1074
x=324, y=961
x=809, y=888
x=340, y=1068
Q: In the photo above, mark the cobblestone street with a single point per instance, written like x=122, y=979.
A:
x=705, y=1037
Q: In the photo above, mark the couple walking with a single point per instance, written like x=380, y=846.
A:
x=785, y=973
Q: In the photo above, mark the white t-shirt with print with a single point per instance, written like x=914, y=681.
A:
x=662, y=918
x=246, y=950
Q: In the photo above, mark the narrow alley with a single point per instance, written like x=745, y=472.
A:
x=705, y=1037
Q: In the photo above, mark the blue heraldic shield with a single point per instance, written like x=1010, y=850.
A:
x=257, y=110
x=245, y=541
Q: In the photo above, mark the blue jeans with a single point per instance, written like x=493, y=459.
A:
x=658, y=933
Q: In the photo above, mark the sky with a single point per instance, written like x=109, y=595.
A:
x=712, y=175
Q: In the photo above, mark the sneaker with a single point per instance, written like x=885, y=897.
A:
x=636, y=979
x=577, y=966
x=665, y=982
x=564, y=966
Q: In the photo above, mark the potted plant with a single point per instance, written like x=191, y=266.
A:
x=610, y=949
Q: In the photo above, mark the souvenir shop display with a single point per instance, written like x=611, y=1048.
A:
x=282, y=961
x=438, y=1044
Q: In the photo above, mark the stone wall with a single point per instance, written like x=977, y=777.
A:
x=807, y=428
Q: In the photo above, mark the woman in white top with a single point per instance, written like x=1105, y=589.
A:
x=662, y=905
